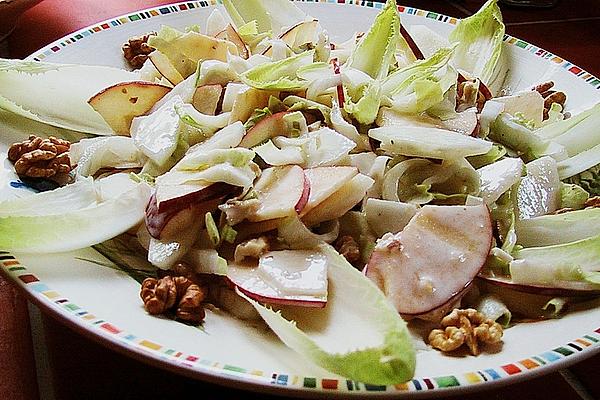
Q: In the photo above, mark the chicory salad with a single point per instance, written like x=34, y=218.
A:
x=333, y=189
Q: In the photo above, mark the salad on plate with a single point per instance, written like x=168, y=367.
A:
x=366, y=199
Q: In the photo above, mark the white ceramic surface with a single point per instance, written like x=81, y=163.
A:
x=104, y=303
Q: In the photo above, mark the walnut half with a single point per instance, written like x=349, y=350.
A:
x=468, y=327
x=174, y=293
x=40, y=158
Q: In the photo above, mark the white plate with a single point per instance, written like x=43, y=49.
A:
x=104, y=304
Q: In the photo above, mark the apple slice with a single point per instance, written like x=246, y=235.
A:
x=167, y=224
x=280, y=191
x=197, y=46
x=229, y=33
x=287, y=277
x=120, y=103
x=267, y=128
x=411, y=43
x=566, y=289
x=299, y=34
x=465, y=123
x=207, y=98
x=181, y=211
x=248, y=229
x=175, y=197
x=247, y=100
x=164, y=253
x=164, y=66
x=340, y=202
x=435, y=257
x=323, y=182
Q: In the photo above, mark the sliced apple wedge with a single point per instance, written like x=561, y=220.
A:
x=340, y=202
x=229, y=33
x=433, y=259
x=164, y=253
x=287, y=277
x=206, y=98
x=248, y=99
x=299, y=34
x=265, y=129
x=174, y=197
x=323, y=182
x=164, y=66
x=280, y=191
x=197, y=46
x=120, y=103
x=167, y=224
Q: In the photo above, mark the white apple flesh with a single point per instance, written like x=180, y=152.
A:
x=120, y=103
x=176, y=197
x=265, y=129
x=206, y=98
x=164, y=66
x=435, y=257
x=281, y=191
x=286, y=277
x=169, y=222
x=561, y=289
x=229, y=33
x=341, y=201
x=323, y=182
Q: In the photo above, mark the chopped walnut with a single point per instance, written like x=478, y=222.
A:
x=348, y=248
x=252, y=248
x=238, y=210
x=543, y=87
x=562, y=210
x=468, y=327
x=136, y=50
x=592, y=202
x=550, y=96
x=40, y=158
x=469, y=94
x=174, y=293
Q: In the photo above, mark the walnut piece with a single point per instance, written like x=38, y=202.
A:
x=468, y=327
x=252, y=248
x=40, y=158
x=136, y=50
x=592, y=202
x=550, y=96
x=174, y=293
x=348, y=248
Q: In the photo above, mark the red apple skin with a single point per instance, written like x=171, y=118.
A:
x=304, y=197
x=411, y=43
x=437, y=313
x=340, y=88
x=233, y=36
x=167, y=223
x=265, y=129
x=281, y=301
x=216, y=190
x=541, y=290
x=159, y=223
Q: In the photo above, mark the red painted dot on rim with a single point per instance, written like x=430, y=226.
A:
x=28, y=278
x=329, y=384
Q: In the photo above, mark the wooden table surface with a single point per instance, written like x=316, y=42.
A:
x=36, y=357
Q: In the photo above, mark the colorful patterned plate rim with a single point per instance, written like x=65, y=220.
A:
x=571, y=350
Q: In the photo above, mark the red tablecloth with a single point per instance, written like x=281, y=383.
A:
x=570, y=30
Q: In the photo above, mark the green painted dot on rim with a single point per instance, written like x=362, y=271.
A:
x=310, y=382
x=447, y=381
